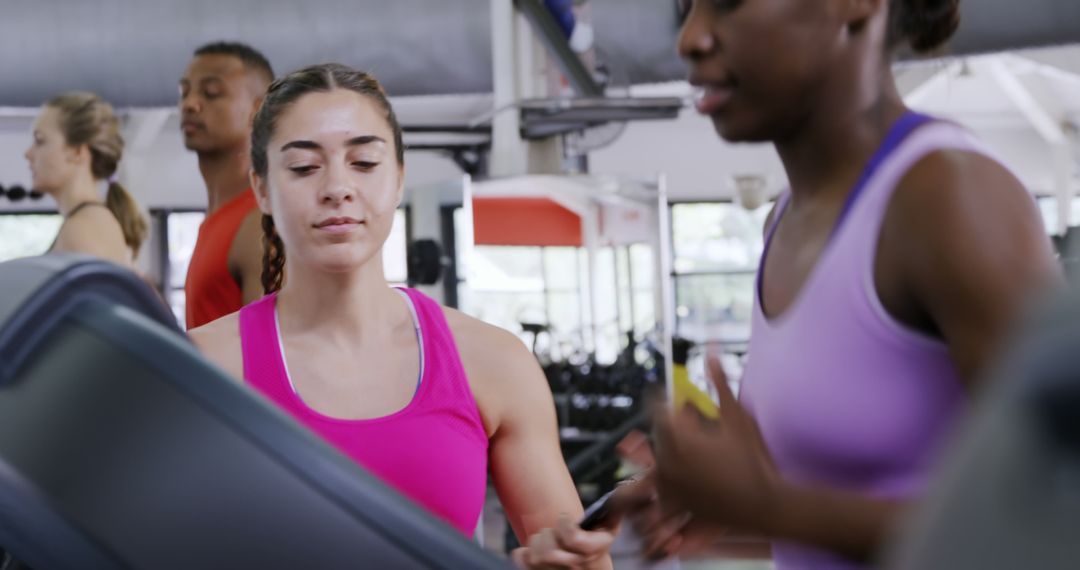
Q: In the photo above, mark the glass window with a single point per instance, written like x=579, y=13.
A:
x=566, y=318
x=1048, y=207
x=560, y=269
x=463, y=244
x=395, y=257
x=505, y=309
x=717, y=247
x=24, y=235
x=642, y=277
x=641, y=267
x=712, y=237
x=549, y=285
x=183, y=232
x=608, y=332
x=644, y=312
x=625, y=297
x=508, y=285
x=715, y=307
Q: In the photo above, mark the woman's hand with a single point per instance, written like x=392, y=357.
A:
x=719, y=472
x=567, y=546
x=664, y=531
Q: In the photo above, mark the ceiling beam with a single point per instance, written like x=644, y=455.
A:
x=1041, y=119
x=553, y=38
x=926, y=81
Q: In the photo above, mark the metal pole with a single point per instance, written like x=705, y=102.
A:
x=633, y=296
x=667, y=293
x=549, y=32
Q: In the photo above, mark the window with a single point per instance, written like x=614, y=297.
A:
x=716, y=251
x=182, y=230
x=24, y=235
x=503, y=286
x=1048, y=207
x=640, y=287
x=395, y=262
x=511, y=285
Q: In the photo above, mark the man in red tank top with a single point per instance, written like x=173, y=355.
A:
x=219, y=93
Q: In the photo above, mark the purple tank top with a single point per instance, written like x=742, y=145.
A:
x=846, y=396
x=433, y=451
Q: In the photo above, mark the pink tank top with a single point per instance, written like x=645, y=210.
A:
x=845, y=395
x=433, y=451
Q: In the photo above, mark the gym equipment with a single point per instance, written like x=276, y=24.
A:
x=425, y=262
x=1010, y=495
x=597, y=405
x=594, y=399
x=121, y=447
x=15, y=193
x=18, y=193
x=1068, y=250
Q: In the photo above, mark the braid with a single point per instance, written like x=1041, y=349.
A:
x=273, y=271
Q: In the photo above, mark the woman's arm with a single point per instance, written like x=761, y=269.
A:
x=527, y=466
x=970, y=252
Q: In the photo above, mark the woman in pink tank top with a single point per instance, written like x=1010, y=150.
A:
x=425, y=398
x=893, y=268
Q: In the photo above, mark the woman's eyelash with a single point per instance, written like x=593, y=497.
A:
x=306, y=169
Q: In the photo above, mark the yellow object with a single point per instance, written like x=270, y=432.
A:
x=687, y=393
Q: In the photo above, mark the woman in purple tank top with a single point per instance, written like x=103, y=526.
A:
x=425, y=398
x=893, y=268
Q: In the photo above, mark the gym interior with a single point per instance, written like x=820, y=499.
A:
x=558, y=184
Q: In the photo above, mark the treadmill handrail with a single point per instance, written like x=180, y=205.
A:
x=65, y=281
x=293, y=444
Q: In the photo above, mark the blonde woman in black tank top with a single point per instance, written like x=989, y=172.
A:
x=76, y=149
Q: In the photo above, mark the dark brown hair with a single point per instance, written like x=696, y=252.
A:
x=85, y=119
x=925, y=25
x=281, y=94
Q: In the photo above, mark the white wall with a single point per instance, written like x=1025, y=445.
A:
x=697, y=163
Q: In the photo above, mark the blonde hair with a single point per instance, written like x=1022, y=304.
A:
x=86, y=119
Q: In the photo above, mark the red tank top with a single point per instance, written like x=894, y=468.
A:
x=211, y=290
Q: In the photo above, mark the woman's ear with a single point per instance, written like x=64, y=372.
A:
x=78, y=154
x=859, y=12
x=400, y=187
x=262, y=196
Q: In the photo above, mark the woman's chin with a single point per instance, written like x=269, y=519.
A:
x=350, y=262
